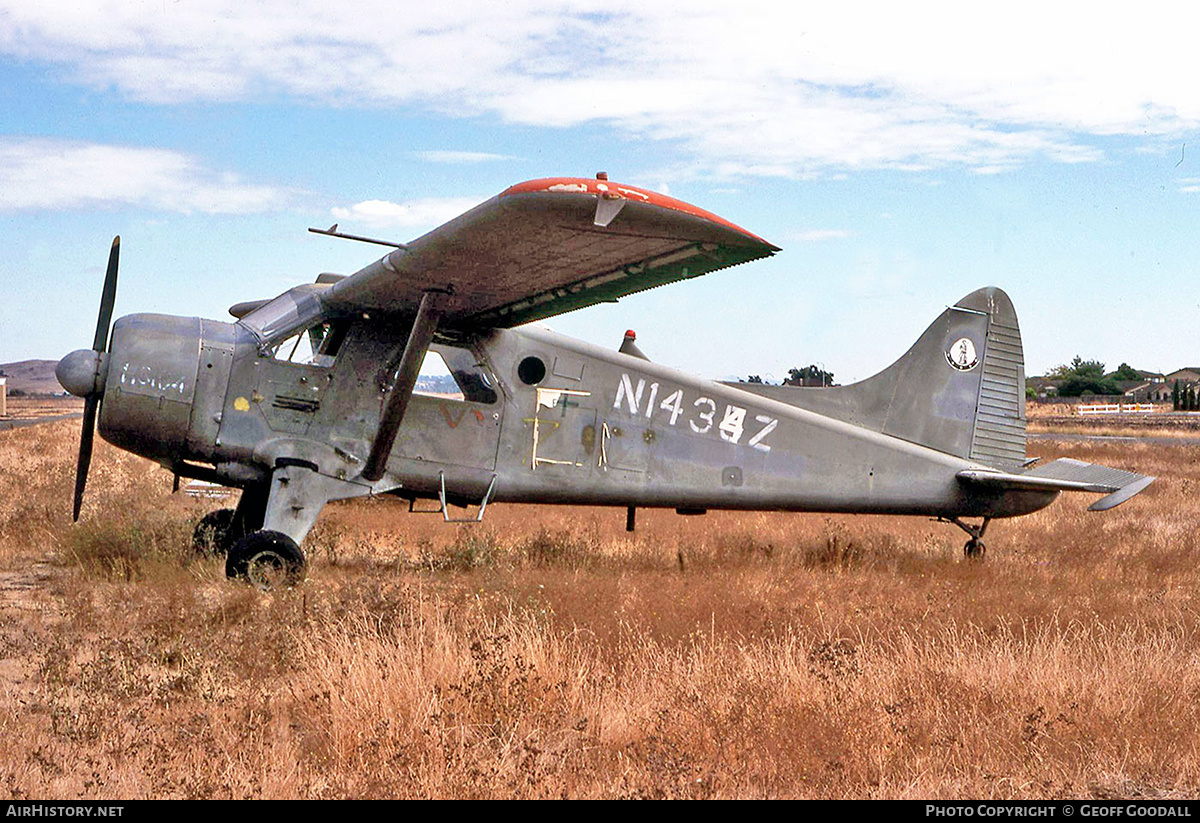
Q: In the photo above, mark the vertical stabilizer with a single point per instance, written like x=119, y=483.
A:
x=960, y=389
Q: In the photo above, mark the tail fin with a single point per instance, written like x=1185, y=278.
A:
x=960, y=389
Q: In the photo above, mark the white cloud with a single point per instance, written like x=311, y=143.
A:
x=40, y=173
x=765, y=89
x=458, y=157
x=817, y=235
x=424, y=213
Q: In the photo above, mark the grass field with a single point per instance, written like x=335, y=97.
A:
x=547, y=653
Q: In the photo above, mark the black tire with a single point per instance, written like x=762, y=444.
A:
x=216, y=532
x=975, y=550
x=266, y=560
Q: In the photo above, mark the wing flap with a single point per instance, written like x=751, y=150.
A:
x=543, y=248
x=1066, y=474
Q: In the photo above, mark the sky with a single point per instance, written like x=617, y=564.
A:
x=902, y=155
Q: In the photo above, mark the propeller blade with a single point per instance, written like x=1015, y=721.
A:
x=85, y=451
x=108, y=297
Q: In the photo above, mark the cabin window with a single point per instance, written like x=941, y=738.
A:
x=452, y=373
x=435, y=379
x=531, y=370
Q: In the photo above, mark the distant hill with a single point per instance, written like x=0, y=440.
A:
x=32, y=376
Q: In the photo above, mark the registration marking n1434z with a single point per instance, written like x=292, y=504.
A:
x=701, y=412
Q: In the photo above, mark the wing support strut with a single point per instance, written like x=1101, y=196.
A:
x=424, y=326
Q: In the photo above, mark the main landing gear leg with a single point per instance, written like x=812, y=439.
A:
x=218, y=531
x=974, y=549
x=277, y=519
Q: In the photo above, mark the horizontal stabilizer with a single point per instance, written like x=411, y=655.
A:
x=1066, y=474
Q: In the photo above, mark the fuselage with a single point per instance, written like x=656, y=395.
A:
x=533, y=415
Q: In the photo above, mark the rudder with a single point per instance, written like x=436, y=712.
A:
x=999, y=435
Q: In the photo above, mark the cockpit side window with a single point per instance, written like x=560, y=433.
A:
x=435, y=379
x=455, y=374
x=316, y=345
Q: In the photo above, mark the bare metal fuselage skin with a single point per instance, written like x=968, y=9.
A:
x=570, y=423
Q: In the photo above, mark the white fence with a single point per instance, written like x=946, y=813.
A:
x=1117, y=408
x=204, y=489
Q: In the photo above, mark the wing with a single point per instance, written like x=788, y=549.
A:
x=1066, y=474
x=546, y=247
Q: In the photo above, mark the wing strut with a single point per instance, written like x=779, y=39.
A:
x=425, y=324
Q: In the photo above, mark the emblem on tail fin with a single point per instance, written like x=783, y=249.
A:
x=962, y=354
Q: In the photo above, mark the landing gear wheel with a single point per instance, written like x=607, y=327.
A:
x=216, y=532
x=974, y=550
x=266, y=560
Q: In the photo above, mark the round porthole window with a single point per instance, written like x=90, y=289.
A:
x=531, y=370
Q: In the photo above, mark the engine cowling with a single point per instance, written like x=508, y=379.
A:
x=151, y=384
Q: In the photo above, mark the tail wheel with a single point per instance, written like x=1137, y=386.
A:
x=974, y=550
x=266, y=560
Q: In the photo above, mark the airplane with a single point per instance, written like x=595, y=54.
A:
x=331, y=391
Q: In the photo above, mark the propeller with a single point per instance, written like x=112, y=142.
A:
x=83, y=374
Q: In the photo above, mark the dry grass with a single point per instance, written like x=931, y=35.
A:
x=547, y=653
x=41, y=405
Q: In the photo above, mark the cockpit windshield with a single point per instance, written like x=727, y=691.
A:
x=282, y=317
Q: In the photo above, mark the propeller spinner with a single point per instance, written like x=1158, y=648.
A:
x=84, y=372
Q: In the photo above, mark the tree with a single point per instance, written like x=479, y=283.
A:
x=809, y=376
x=1086, y=368
x=1078, y=386
x=754, y=378
x=1125, y=372
x=1083, y=377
